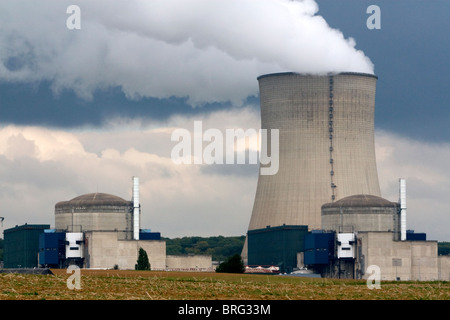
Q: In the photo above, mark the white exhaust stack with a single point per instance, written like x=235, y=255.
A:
x=136, y=208
x=1, y=228
x=402, y=201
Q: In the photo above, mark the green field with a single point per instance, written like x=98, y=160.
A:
x=154, y=285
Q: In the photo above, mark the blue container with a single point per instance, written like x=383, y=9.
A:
x=149, y=236
x=51, y=248
x=318, y=247
x=314, y=257
x=411, y=236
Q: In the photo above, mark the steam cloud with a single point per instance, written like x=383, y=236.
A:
x=204, y=50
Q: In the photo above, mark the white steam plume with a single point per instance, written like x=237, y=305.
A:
x=206, y=50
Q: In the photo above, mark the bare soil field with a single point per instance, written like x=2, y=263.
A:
x=155, y=285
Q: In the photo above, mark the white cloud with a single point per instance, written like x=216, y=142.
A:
x=47, y=165
x=206, y=50
x=424, y=165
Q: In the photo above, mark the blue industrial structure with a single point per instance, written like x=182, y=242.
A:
x=412, y=236
x=319, y=248
x=52, y=248
x=145, y=234
x=276, y=246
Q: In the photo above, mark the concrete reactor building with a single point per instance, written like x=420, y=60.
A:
x=323, y=209
x=99, y=230
x=95, y=212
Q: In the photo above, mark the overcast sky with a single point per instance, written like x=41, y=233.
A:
x=84, y=110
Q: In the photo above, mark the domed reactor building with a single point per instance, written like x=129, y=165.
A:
x=100, y=230
x=96, y=212
x=103, y=231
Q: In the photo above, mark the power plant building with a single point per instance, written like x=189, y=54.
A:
x=321, y=213
x=21, y=245
x=96, y=212
x=326, y=145
x=361, y=213
x=104, y=231
x=96, y=231
x=328, y=182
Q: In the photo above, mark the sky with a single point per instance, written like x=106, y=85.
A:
x=83, y=110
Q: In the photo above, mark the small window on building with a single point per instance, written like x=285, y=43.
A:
x=396, y=262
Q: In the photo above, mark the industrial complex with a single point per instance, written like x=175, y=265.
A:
x=321, y=214
x=97, y=231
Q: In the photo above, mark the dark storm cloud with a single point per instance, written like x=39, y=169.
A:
x=60, y=78
x=410, y=53
x=36, y=104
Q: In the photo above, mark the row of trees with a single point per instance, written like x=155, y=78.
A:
x=219, y=247
x=444, y=248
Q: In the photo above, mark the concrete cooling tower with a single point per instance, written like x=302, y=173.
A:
x=326, y=145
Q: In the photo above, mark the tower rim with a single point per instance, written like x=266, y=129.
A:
x=347, y=73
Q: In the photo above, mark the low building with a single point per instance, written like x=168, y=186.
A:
x=397, y=260
x=367, y=231
x=190, y=262
x=105, y=250
x=21, y=245
x=444, y=268
x=276, y=246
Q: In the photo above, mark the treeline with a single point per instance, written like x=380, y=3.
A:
x=219, y=247
x=443, y=248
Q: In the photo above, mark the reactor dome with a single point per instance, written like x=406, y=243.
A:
x=361, y=212
x=93, y=201
x=360, y=200
x=95, y=212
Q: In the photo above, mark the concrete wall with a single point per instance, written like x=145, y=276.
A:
x=189, y=263
x=96, y=221
x=156, y=251
x=104, y=250
x=360, y=219
x=444, y=268
x=406, y=260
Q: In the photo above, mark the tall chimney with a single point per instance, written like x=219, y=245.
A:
x=1, y=227
x=136, y=208
x=402, y=201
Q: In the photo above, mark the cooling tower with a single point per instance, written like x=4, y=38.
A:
x=326, y=145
